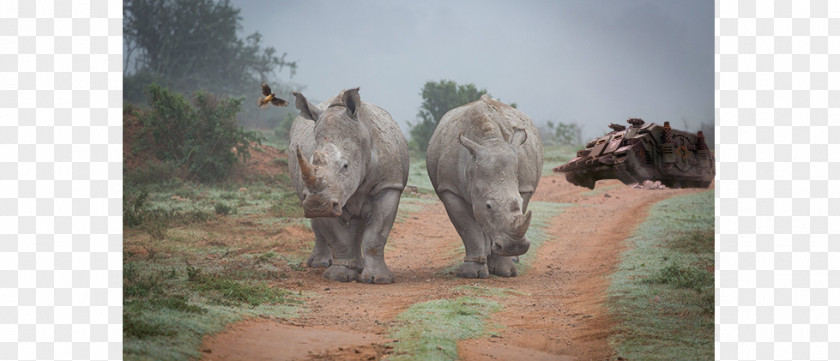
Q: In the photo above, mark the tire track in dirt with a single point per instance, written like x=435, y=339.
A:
x=560, y=315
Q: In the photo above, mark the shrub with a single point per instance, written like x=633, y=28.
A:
x=152, y=173
x=204, y=138
x=134, y=207
x=224, y=209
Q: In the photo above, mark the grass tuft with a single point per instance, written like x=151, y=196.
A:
x=234, y=293
x=681, y=276
x=431, y=330
x=224, y=209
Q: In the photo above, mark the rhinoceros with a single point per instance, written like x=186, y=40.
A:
x=349, y=166
x=485, y=160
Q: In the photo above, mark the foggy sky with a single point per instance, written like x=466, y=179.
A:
x=590, y=62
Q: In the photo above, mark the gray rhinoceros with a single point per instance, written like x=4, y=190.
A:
x=349, y=166
x=485, y=160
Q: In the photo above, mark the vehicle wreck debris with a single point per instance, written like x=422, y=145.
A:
x=642, y=152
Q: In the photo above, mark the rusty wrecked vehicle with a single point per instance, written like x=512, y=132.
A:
x=642, y=152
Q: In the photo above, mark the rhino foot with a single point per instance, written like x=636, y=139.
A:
x=319, y=261
x=341, y=274
x=501, y=266
x=472, y=270
x=378, y=276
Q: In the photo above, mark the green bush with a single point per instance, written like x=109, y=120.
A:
x=204, y=138
x=134, y=207
x=223, y=209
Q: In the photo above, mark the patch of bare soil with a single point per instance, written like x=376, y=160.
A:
x=274, y=340
x=560, y=315
x=263, y=162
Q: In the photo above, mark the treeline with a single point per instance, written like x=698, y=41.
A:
x=192, y=45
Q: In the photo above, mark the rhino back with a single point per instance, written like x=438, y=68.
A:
x=389, y=155
x=447, y=159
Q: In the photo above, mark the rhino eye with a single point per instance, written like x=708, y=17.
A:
x=489, y=206
x=344, y=165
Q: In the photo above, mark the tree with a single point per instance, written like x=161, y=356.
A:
x=561, y=133
x=439, y=98
x=203, y=138
x=568, y=134
x=190, y=45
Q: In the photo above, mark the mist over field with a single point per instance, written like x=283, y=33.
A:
x=585, y=62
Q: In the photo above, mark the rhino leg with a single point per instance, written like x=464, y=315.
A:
x=340, y=238
x=501, y=266
x=461, y=215
x=379, y=224
x=321, y=255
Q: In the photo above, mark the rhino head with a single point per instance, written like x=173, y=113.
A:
x=494, y=192
x=339, y=162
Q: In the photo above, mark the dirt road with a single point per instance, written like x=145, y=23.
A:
x=559, y=315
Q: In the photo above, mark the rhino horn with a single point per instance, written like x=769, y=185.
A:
x=520, y=225
x=306, y=170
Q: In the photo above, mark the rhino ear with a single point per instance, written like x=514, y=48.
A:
x=307, y=110
x=518, y=137
x=352, y=101
x=471, y=146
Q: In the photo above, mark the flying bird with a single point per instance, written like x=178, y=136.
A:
x=269, y=97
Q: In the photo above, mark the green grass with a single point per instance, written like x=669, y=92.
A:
x=555, y=155
x=168, y=310
x=418, y=176
x=663, y=292
x=199, y=257
x=431, y=330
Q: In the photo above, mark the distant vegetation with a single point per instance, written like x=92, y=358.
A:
x=561, y=134
x=439, y=98
x=204, y=139
x=190, y=45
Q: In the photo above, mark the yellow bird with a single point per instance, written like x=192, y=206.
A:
x=269, y=97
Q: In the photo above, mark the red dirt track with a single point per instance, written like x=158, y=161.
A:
x=559, y=315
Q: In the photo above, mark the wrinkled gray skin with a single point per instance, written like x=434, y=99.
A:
x=485, y=160
x=349, y=164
